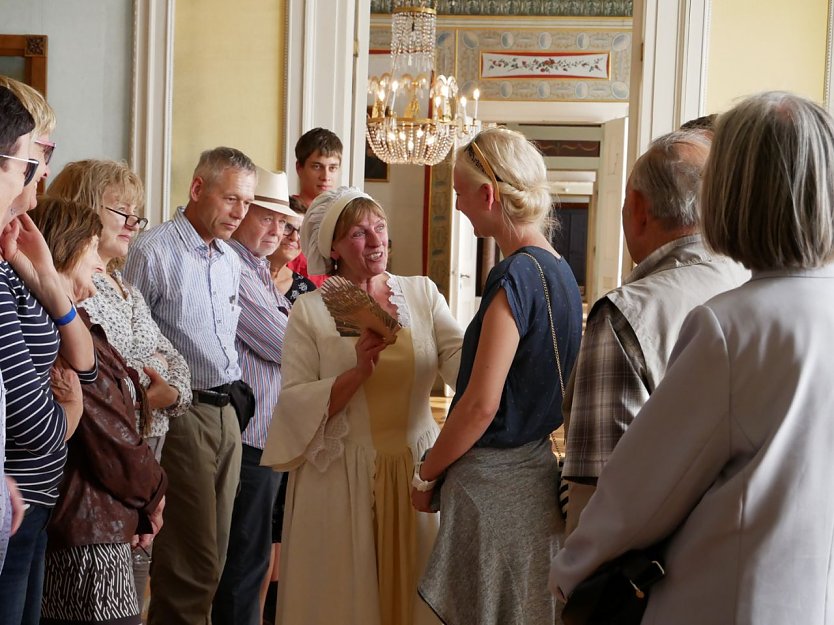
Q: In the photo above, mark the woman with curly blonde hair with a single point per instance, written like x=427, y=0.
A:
x=116, y=194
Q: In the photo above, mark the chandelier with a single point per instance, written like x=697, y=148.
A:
x=416, y=116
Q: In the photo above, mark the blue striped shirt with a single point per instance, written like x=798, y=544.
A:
x=35, y=423
x=191, y=289
x=260, y=340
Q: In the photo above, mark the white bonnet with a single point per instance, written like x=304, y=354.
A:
x=320, y=224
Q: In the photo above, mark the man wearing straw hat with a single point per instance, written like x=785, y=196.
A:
x=259, y=343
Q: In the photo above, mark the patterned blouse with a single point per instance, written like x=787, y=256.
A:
x=300, y=285
x=135, y=335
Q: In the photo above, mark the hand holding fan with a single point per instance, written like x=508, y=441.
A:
x=354, y=310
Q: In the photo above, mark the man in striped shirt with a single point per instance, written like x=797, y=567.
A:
x=189, y=276
x=260, y=341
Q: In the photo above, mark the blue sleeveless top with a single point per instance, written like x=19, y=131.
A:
x=530, y=407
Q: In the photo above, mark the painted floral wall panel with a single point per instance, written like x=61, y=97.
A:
x=545, y=65
x=552, y=64
x=577, y=65
x=561, y=8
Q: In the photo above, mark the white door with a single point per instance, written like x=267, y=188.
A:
x=607, y=241
x=464, y=269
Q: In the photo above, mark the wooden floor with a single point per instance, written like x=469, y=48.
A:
x=440, y=408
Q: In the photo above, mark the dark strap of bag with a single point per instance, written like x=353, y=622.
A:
x=557, y=437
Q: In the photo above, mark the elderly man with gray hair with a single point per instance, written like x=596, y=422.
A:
x=631, y=330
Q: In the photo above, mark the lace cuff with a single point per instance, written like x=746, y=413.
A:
x=327, y=444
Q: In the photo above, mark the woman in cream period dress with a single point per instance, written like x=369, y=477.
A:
x=353, y=418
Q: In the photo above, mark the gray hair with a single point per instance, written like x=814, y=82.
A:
x=212, y=163
x=669, y=177
x=768, y=186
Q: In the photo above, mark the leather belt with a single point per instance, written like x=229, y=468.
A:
x=217, y=396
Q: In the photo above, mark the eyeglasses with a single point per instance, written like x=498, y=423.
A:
x=130, y=220
x=48, y=149
x=31, y=166
x=479, y=160
x=289, y=229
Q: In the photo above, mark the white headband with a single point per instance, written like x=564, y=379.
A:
x=320, y=224
x=328, y=224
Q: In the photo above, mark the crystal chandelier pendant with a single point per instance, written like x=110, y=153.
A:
x=415, y=116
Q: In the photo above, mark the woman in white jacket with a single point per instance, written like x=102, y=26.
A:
x=731, y=457
x=353, y=418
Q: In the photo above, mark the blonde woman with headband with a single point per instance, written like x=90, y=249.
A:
x=498, y=504
x=352, y=421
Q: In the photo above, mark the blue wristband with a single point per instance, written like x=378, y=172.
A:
x=62, y=321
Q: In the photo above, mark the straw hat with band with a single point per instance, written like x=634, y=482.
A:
x=272, y=192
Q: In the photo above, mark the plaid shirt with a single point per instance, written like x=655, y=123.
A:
x=607, y=389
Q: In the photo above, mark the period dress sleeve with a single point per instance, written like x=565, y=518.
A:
x=665, y=462
x=448, y=335
x=301, y=412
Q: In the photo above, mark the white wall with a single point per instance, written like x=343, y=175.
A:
x=89, y=71
x=327, y=69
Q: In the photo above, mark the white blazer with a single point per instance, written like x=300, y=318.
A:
x=734, y=453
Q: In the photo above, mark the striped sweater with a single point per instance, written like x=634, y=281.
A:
x=35, y=422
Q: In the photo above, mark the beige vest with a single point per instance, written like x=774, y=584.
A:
x=661, y=291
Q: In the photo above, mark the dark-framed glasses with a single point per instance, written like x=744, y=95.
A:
x=289, y=229
x=31, y=166
x=48, y=149
x=131, y=221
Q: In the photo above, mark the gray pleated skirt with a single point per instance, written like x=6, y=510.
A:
x=499, y=528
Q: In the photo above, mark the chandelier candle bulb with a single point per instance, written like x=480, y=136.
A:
x=394, y=86
x=476, y=95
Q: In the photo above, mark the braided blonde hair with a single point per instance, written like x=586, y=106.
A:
x=520, y=175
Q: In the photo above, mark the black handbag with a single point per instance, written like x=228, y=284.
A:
x=617, y=592
x=242, y=399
